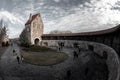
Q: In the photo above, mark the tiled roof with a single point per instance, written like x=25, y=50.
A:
x=110, y=30
x=30, y=20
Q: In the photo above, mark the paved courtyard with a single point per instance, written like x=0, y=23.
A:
x=11, y=70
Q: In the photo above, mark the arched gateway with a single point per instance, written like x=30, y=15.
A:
x=36, y=41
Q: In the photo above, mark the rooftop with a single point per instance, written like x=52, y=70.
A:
x=106, y=31
x=32, y=18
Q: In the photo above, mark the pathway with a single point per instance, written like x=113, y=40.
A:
x=11, y=70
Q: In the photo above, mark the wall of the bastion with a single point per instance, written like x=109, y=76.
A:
x=111, y=39
x=112, y=60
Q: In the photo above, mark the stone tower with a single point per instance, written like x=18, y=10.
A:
x=33, y=29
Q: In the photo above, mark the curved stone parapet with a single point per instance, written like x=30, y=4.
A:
x=112, y=57
x=110, y=37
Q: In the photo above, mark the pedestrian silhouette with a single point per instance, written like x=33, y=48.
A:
x=68, y=74
x=13, y=50
x=18, y=59
x=79, y=50
x=59, y=48
x=86, y=71
x=75, y=54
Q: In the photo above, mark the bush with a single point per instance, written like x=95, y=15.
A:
x=25, y=44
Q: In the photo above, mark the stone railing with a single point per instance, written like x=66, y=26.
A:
x=112, y=57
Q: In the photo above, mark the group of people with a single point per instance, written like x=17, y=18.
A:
x=18, y=58
x=76, y=52
x=68, y=74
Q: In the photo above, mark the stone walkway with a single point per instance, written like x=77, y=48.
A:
x=11, y=70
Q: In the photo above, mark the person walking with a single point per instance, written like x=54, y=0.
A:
x=68, y=74
x=79, y=50
x=59, y=49
x=75, y=54
x=18, y=59
x=14, y=52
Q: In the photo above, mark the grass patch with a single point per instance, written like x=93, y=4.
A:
x=38, y=49
x=43, y=56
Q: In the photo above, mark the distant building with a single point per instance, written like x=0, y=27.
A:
x=33, y=30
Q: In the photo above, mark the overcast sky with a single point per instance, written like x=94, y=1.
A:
x=74, y=15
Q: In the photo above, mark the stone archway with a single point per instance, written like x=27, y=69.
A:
x=36, y=41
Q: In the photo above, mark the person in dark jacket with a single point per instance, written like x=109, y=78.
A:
x=75, y=54
x=18, y=59
x=68, y=74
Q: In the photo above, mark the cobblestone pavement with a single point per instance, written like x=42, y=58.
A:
x=11, y=70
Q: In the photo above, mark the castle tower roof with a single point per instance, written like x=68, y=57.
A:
x=32, y=18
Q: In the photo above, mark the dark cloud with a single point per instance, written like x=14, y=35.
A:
x=49, y=8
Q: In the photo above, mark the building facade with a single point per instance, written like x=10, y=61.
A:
x=110, y=37
x=33, y=30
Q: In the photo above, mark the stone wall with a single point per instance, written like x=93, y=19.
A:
x=112, y=60
x=111, y=39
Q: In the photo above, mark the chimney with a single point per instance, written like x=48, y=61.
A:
x=30, y=17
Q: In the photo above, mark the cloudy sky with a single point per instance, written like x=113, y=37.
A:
x=74, y=15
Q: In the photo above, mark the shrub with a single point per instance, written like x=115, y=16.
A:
x=25, y=44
